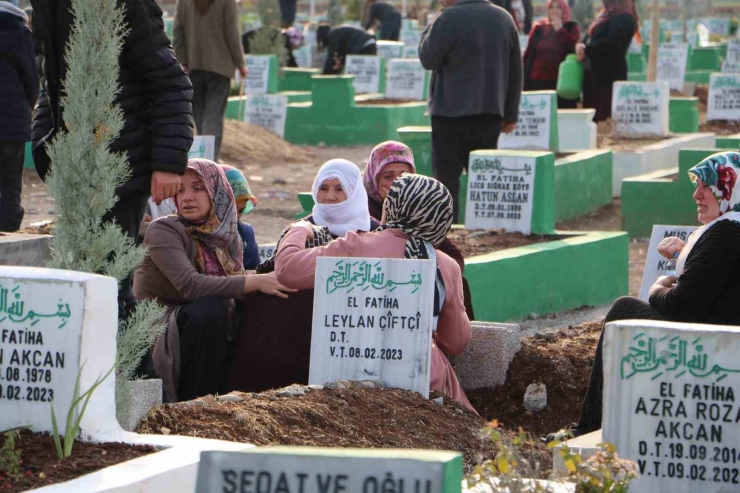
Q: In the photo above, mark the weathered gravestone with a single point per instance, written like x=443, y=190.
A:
x=537, y=127
x=640, y=109
x=52, y=322
x=317, y=470
x=390, y=49
x=369, y=71
x=671, y=404
x=672, y=60
x=723, y=102
x=204, y=147
x=655, y=265
x=373, y=320
x=407, y=79
x=268, y=111
x=263, y=74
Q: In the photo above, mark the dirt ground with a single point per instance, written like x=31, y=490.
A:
x=473, y=243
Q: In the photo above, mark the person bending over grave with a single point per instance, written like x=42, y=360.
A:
x=341, y=41
x=245, y=202
x=387, y=15
x=388, y=161
x=707, y=282
x=194, y=268
x=407, y=231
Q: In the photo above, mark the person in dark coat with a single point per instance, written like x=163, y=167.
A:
x=341, y=41
x=603, y=53
x=389, y=18
x=155, y=99
x=20, y=89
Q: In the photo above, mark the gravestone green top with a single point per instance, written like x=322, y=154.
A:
x=723, y=102
x=204, y=147
x=640, y=109
x=263, y=74
x=407, y=79
x=268, y=111
x=368, y=71
x=537, y=127
x=672, y=60
x=655, y=265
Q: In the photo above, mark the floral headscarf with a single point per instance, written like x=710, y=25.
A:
x=217, y=239
x=240, y=187
x=384, y=154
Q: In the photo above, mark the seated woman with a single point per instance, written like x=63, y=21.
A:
x=408, y=231
x=388, y=161
x=245, y=202
x=194, y=268
x=707, y=285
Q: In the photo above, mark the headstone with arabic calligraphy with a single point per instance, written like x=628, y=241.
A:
x=204, y=147
x=266, y=251
x=410, y=51
x=537, y=127
x=655, y=265
x=268, y=111
x=407, y=79
x=723, y=102
x=51, y=323
x=640, y=109
x=730, y=67
x=390, y=49
x=368, y=70
x=262, y=69
x=718, y=26
x=672, y=60
x=500, y=192
x=672, y=404
x=733, y=51
x=373, y=320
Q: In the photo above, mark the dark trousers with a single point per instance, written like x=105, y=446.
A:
x=390, y=30
x=598, y=97
x=203, y=326
x=453, y=139
x=625, y=308
x=551, y=85
x=210, y=95
x=12, y=155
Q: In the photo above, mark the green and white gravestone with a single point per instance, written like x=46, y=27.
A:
x=329, y=470
x=407, y=79
x=655, y=265
x=262, y=76
x=538, y=123
x=640, y=109
x=733, y=51
x=672, y=60
x=204, y=147
x=718, y=26
x=268, y=111
x=390, y=49
x=723, y=102
x=373, y=320
x=369, y=73
x=730, y=67
x=671, y=404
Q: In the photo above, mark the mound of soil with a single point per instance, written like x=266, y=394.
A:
x=40, y=466
x=244, y=143
x=721, y=127
x=562, y=361
x=606, y=140
x=473, y=243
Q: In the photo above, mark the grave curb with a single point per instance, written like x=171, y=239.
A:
x=590, y=172
x=25, y=250
x=576, y=130
x=729, y=142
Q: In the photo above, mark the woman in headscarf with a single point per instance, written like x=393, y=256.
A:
x=707, y=283
x=603, y=53
x=408, y=231
x=550, y=41
x=245, y=201
x=388, y=160
x=194, y=268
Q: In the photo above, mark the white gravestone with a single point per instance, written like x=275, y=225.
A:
x=372, y=320
x=266, y=251
x=730, y=67
x=366, y=69
x=407, y=79
x=410, y=37
x=51, y=323
x=718, y=26
x=534, y=126
x=204, y=147
x=723, y=102
x=500, y=192
x=671, y=396
x=390, y=49
x=410, y=51
x=655, y=265
x=523, y=42
x=258, y=78
x=672, y=59
x=640, y=109
x=329, y=470
x=304, y=56
x=733, y=51
x=268, y=111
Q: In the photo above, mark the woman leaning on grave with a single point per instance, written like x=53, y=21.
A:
x=707, y=282
x=194, y=267
x=407, y=231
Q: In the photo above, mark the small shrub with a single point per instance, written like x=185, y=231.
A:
x=10, y=457
x=602, y=472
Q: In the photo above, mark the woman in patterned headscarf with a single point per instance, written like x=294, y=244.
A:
x=417, y=218
x=194, y=268
x=706, y=286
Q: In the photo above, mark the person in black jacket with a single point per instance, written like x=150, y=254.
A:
x=341, y=41
x=385, y=14
x=155, y=98
x=20, y=89
x=603, y=53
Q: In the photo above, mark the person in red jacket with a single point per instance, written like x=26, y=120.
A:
x=550, y=41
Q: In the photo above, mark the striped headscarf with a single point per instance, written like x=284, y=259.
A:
x=421, y=207
x=240, y=187
x=382, y=155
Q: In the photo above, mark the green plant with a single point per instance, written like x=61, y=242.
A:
x=269, y=13
x=336, y=13
x=602, y=472
x=10, y=457
x=72, y=427
x=583, y=12
x=269, y=41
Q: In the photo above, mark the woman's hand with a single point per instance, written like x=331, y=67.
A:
x=266, y=283
x=305, y=225
x=581, y=52
x=670, y=246
x=663, y=282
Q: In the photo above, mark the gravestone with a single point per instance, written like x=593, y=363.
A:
x=268, y=111
x=733, y=51
x=723, y=102
x=411, y=37
x=262, y=76
x=537, y=127
x=655, y=265
x=372, y=320
x=670, y=404
x=635, y=47
x=266, y=251
x=410, y=51
x=368, y=71
x=500, y=192
x=523, y=42
x=51, y=323
x=672, y=60
x=204, y=147
x=390, y=49
x=717, y=26
x=640, y=109
x=304, y=56
x=730, y=67
x=407, y=79
x=317, y=470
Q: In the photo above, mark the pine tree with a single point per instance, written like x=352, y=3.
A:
x=269, y=40
x=85, y=173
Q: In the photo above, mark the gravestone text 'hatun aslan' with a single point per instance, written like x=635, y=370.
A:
x=367, y=71
x=500, y=192
x=640, y=109
x=537, y=125
x=268, y=111
x=656, y=264
x=723, y=102
x=373, y=320
x=672, y=404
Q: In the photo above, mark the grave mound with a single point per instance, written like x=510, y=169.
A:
x=246, y=143
x=472, y=243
